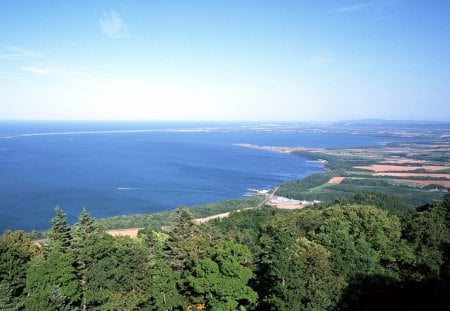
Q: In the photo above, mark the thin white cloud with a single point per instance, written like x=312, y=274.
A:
x=40, y=71
x=111, y=24
x=366, y=6
x=355, y=7
x=12, y=52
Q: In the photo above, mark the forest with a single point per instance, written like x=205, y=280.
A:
x=363, y=253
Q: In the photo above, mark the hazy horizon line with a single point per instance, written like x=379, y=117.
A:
x=226, y=120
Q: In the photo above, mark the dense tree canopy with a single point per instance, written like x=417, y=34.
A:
x=345, y=256
x=52, y=282
x=301, y=277
x=16, y=252
x=362, y=239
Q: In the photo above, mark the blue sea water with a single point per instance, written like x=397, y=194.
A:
x=129, y=168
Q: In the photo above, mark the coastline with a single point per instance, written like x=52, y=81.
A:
x=278, y=149
x=165, y=170
x=385, y=168
x=340, y=171
x=268, y=195
x=327, y=158
x=289, y=150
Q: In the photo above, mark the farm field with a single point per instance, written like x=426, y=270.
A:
x=401, y=170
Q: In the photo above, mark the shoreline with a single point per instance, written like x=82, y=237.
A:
x=381, y=155
x=279, y=149
x=289, y=150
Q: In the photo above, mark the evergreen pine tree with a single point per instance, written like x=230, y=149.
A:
x=182, y=242
x=6, y=297
x=82, y=231
x=185, y=227
x=60, y=235
x=84, y=228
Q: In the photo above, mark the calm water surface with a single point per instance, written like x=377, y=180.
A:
x=113, y=171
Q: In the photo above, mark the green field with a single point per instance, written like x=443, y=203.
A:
x=316, y=187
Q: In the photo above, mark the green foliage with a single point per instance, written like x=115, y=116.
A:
x=185, y=227
x=156, y=221
x=162, y=289
x=16, y=252
x=192, y=253
x=221, y=282
x=209, y=209
x=84, y=228
x=350, y=187
x=315, y=187
x=381, y=200
x=431, y=156
x=153, y=221
x=307, y=281
x=348, y=255
x=362, y=239
x=82, y=232
x=295, y=273
x=154, y=241
x=293, y=189
x=335, y=162
x=60, y=235
x=7, y=299
x=52, y=282
x=446, y=206
x=185, y=243
x=428, y=233
x=38, y=235
x=246, y=226
x=115, y=272
x=300, y=223
x=366, y=181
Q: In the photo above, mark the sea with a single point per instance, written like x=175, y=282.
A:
x=122, y=168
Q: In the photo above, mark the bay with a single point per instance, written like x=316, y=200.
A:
x=118, y=168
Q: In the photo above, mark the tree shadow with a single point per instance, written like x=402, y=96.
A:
x=380, y=292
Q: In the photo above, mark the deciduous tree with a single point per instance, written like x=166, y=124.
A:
x=52, y=282
x=16, y=251
x=222, y=281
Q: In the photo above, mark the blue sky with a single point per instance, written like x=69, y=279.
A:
x=225, y=60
